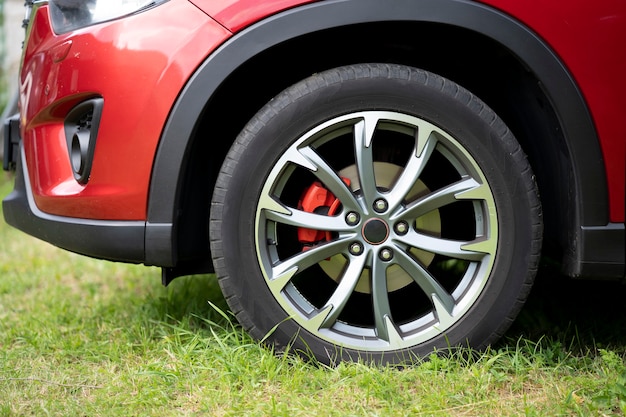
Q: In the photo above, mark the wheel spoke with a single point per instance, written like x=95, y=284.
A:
x=363, y=135
x=329, y=178
x=289, y=216
x=425, y=144
x=474, y=250
x=443, y=312
x=344, y=290
x=380, y=299
x=439, y=198
x=285, y=270
x=425, y=280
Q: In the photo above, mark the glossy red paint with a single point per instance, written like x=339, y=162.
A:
x=237, y=14
x=589, y=37
x=138, y=67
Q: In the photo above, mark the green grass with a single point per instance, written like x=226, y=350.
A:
x=80, y=337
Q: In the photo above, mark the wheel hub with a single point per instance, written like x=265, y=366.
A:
x=397, y=278
x=375, y=231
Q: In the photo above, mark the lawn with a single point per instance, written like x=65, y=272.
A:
x=81, y=337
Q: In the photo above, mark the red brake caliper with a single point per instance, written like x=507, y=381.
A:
x=317, y=199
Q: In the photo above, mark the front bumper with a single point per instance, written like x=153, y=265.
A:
x=102, y=239
x=137, y=67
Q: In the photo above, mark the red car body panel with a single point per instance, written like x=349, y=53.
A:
x=584, y=35
x=144, y=74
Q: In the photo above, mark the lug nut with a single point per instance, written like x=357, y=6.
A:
x=352, y=218
x=356, y=248
x=380, y=205
x=402, y=228
x=386, y=254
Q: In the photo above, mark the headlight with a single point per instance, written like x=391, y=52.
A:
x=69, y=15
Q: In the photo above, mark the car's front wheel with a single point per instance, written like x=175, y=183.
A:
x=375, y=212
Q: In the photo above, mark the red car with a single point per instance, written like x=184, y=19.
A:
x=370, y=180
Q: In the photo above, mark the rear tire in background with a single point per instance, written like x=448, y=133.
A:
x=375, y=212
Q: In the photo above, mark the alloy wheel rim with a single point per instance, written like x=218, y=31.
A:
x=386, y=235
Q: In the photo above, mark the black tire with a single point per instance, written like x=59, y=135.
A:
x=438, y=249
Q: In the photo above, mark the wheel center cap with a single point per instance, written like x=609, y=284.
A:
x=375, y=231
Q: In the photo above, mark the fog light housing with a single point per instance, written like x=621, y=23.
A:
x=81, y=131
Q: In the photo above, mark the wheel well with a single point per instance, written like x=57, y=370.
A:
x=474, y=61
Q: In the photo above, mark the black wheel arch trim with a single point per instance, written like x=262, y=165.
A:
x=590, y=179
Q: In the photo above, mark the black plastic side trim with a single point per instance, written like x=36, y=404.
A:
x=603, y=247
x=159, y=241
x=112, y=240
x=590, y=191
